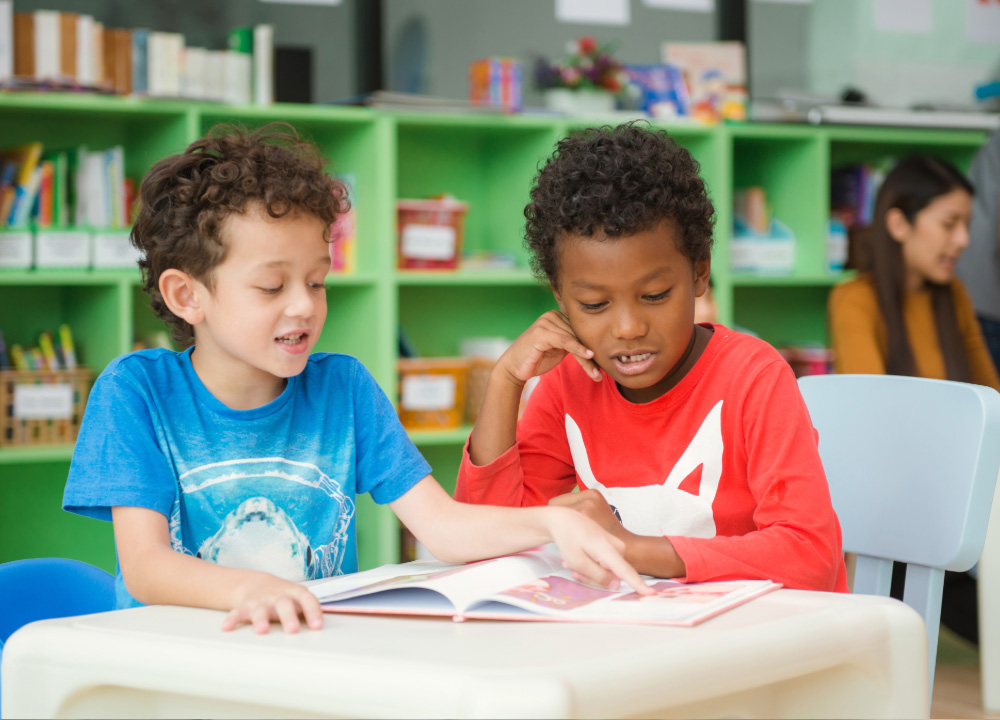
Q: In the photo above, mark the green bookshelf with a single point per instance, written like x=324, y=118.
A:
x=486, y=160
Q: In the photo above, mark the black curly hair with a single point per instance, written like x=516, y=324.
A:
x=185, y=200
x=617, y=181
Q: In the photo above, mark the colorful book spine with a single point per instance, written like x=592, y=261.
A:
x=66, y=345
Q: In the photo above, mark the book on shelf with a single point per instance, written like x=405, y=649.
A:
x=67, y=45
x=256, y=45
x=164, y=55
x=48, y=42
x=527, y=586
x=6, y=39
x=24, y=44
x=88, y=74
x=118, y=59
x=140, y=69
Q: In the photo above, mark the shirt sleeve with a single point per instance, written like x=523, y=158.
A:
x=797, y=540
x=981, y=365
x=855, y=331
x=387, y=462
x=118, y=460
x=536, y=468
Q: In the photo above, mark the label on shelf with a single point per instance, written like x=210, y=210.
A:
x=114, y=250
x=15, y=250
x=57, y=249
x=428, y=242
x=764, y=255
x=51, y=401
x=428, y=392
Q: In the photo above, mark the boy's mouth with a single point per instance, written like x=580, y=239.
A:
x=295, y=343
x=634, y=363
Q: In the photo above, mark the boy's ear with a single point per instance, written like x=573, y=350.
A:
x=897, y=224
x=181, y=293
x=702, y=271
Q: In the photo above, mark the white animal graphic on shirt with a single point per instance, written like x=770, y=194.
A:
x=258, y=534
x=664, y=509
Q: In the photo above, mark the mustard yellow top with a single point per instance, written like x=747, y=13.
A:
x=860, y=339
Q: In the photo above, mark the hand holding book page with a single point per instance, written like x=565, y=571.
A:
x=530, y=585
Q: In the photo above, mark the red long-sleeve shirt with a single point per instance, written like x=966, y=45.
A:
x=725, y=464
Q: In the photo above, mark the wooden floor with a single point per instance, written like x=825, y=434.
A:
x=956, y=680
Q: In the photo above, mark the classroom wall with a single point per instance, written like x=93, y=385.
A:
x=329, y=30
x=844, y=47
x=778, y=43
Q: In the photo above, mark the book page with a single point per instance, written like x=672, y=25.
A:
x=460, y=585
x=559, y=596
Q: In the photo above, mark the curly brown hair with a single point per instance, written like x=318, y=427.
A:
x=620, y=181
x=185, y=200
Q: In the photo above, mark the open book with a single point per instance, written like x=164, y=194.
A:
x=530, y=585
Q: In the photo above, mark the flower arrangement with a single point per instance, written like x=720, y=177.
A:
x=587, y=66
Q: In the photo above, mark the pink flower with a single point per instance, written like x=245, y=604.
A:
x=570, y=76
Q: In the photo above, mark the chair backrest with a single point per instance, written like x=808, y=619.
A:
x=43, y=588
x=912, y=464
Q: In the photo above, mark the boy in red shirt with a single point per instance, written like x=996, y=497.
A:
x=689, y=442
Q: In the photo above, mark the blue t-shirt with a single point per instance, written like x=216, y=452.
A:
x=268, y=489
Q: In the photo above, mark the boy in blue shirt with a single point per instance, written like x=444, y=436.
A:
x=230, y=470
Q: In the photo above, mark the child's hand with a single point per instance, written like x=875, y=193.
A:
x=592, y=504
x=270, y=598
x=543, y=346
x=592, y=554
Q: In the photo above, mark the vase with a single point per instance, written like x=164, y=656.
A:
x=579, y=102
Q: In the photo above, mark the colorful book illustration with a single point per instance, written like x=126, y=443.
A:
x=531, y=586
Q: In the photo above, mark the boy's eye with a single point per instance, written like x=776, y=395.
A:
x=592, y=306
x=316, y=286
x=658, y=296
x=272, y=290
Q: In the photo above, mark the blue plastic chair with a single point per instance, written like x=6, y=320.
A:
x=43, y=588
x=912, y=465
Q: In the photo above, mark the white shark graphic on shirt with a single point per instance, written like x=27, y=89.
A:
x=664, y=509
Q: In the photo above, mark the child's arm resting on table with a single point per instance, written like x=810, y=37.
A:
x=457, y=532
x=157, y=575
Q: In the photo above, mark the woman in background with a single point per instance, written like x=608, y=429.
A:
x=911, y=315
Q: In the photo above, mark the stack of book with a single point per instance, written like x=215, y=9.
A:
x=852, y=192
x=74, y=51
x=60, y=188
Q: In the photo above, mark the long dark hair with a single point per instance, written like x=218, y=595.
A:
x=911, y=186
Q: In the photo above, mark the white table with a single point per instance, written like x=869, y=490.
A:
x=787, y=654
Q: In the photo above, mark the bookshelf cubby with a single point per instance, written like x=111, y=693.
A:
x=485, y=160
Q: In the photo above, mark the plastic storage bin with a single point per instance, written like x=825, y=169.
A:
x=42, y=407
x=432, y=392
x=430, y=233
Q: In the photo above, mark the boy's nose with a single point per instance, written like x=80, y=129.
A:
x=302, y=304
x=629, y=323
